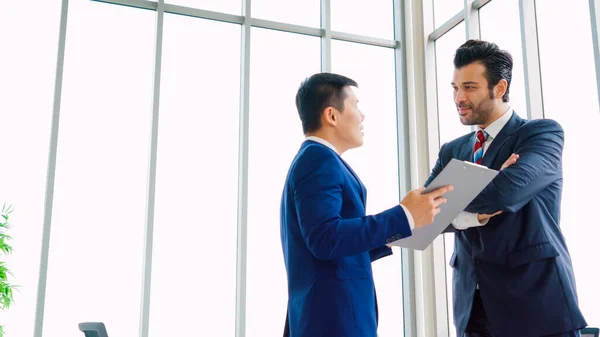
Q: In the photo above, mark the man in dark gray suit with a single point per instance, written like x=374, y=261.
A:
x=512, y=270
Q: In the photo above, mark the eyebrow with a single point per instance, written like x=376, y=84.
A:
x=466, y=83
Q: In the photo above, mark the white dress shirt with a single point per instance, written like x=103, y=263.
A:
x=322, y=141
x=466, y=220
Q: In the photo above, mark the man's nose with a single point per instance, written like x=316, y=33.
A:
x=459, y=96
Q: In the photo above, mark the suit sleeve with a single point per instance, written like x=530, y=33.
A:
x=538, y=166
x=378, y=253
x=437, y=168
x=319, y=182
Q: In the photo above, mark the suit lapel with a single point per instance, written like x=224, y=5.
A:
x=466, y=153
x=490, y=154
x=363, y=190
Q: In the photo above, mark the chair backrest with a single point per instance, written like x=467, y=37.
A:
x=93, y=329
x=590, y=332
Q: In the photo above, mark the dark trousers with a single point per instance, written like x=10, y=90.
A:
x=479, y=325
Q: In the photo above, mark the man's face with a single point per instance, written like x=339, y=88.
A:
x=474, y=101
x=350, y=120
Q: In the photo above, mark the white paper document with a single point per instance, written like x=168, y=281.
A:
x=468, y=180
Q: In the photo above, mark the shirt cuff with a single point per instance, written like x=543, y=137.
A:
x=466, y=220
x=409, y=217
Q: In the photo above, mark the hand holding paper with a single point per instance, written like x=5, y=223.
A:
x=425, y=206
x=468, y=180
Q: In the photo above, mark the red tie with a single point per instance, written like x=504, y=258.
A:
x=478, y=148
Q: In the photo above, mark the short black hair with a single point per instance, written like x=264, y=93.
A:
x=498, y=63
x=318, y=92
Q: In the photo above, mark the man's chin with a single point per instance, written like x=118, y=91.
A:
x=466, y=121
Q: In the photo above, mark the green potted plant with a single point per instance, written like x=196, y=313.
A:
x=6, y=289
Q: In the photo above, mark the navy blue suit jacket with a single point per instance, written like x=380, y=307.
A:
x=328, y=245
x=519, y=259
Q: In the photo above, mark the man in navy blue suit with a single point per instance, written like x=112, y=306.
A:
x=512, y=270
x=328, y=241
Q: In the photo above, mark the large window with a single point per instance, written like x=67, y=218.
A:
x=305, y=12
x=97, y=236
x=159, y=218
x=371, y=18
x=194, y=259
x=376, y=161
x=27, y=72
x=445, y=9
x=225, y=6
x=275, y=137
x=449, y=126
x=571, y=98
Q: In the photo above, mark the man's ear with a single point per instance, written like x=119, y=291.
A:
x=330, y=116
x=500, y=88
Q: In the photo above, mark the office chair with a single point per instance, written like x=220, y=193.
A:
x=590, y=332
x=93, y=329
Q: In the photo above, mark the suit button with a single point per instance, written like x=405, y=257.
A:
x=388, y=240
x=398, y=236
x=477, y=261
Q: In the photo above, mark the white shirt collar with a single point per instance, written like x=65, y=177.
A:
x=322, y=141
x=494, y=129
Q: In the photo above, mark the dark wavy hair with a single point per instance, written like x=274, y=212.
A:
x=498, y=63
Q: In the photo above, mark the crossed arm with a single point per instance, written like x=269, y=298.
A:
x=536, y=165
